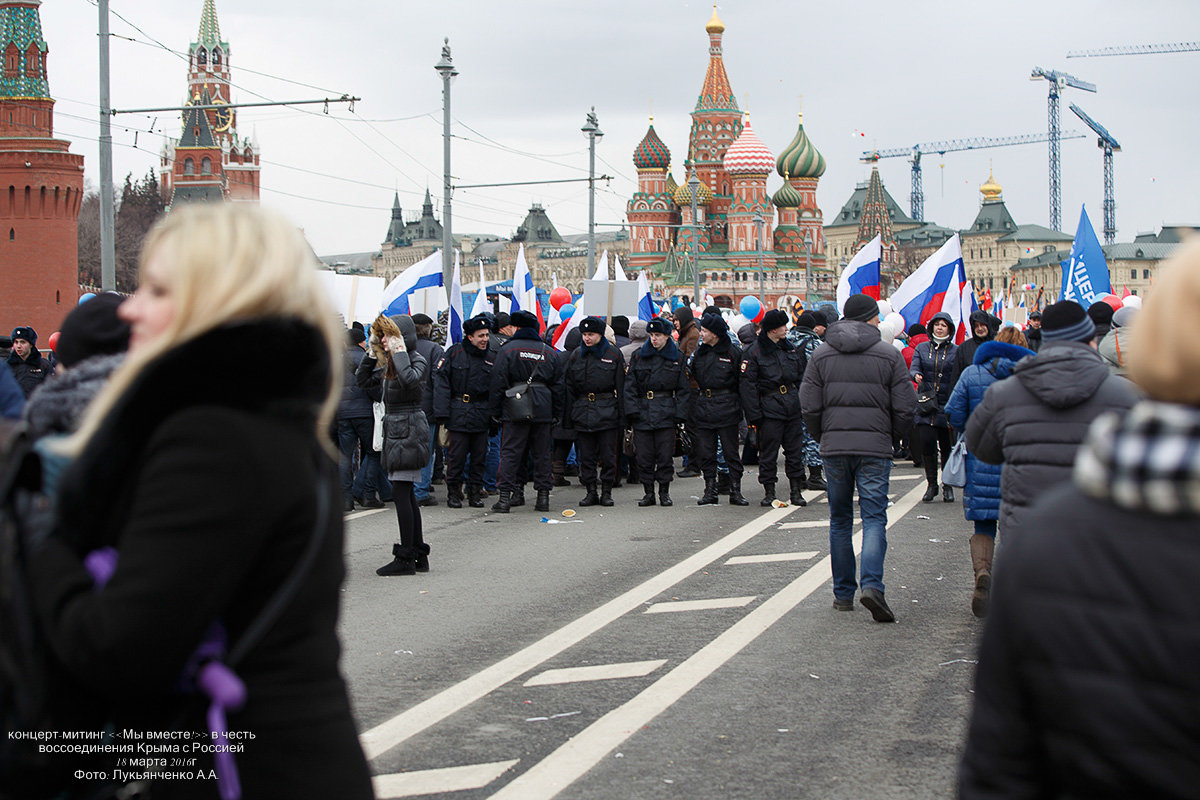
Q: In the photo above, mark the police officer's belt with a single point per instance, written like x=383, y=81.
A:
x=472, y=398
x=651, y=395
x=591, y=396
x=715, y=392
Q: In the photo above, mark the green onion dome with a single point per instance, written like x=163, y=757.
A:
x=800, y=159
x=787, y=197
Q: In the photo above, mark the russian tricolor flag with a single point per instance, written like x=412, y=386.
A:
x=524, y=295
x=861, y=275
x=939, y=284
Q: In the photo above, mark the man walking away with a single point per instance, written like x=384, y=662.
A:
x=856, y=397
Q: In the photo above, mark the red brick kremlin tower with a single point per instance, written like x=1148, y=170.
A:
x=41, y=184
x=209, y=161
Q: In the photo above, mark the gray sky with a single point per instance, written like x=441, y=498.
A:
x=900, y=73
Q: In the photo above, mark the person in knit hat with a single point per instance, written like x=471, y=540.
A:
x=1094, y=617
x=1101, y=314
x=1114, y=348
x=28, y=365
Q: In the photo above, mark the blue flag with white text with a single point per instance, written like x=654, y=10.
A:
x=1085, y=274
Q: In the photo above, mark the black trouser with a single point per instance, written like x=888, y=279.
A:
x=591, y=446
x=655, y=454
x=706, y=451
x=408, y=516
x=517, y=439
x=771, y=434
x=463, y=444
x=931, y=440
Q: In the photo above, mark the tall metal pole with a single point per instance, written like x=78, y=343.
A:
x=1055, y=176
x=1110, y=203
x=108, y=254
x=592, y=129
x=446, y=69
x=759, y=222
x=694, y=188
x=917, y=200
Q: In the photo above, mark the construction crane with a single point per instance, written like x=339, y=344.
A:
x=1058, y=81
x=917, y=198
x=1109, y=145
x=1137, y=50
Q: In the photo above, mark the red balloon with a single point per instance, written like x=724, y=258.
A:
x=559, y=297
x=762, y=312
x=53, y=341
x=1112, y=300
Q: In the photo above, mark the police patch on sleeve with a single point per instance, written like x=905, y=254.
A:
x=744, y=365
x=440, y=362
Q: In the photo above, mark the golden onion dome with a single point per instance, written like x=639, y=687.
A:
x=683, y=195
x=991, y=190
x=715, y=25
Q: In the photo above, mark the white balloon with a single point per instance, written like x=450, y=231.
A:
x=885, y=308
x=1133, y=301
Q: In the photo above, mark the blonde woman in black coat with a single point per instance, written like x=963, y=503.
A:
x=203, y=489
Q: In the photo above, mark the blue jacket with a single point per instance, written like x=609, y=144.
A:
x=993, y=361
x=12, y=398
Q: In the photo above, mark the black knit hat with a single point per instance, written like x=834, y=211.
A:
x=861, y=307
x=917, y=329
x=809, y=320
x=92, y=329
x=715, y=323
x=25, y=332
x=476, y=323
x=522, y=319
x=1101, y=313
x=775, y=318
x=658, y=325
x=591, y=325
x=1067, y=321
x=356, y=336
x=422, y=319
x=501, y=320
x=620, y=325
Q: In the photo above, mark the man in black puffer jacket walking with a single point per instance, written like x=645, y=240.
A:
x=716, y=409
x=462, y=384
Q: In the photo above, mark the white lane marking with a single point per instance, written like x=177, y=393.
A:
x=584, y=750
x=427, y=713
x=916, y=477
x=598, y=672
x=808, y=523
x=769, y=558
x=700, y=605
x=435, y=781
x=364, y=513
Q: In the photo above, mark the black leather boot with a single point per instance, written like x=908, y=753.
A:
x=664, y=494
x=648, y=498
x=402, y=563
x=947, y=493
x=722, y=483
x=591, y=498
x=504, y=503
x=768, y=495
x=931, y=492
x=606, y=494
x=518, y=497
x=815, y=481
x=475, y=495
x=710, y=496
x=556, y=471
x=735, y=493
x=543, y=500
x=454, y=495
x=797, y=497
x=422, y=563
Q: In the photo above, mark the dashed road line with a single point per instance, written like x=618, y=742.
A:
x=674, y=606
x=771, y=558
x=436, y=781
x=596, y=672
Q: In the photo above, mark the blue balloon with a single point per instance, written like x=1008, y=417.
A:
x=750, y=307
x=84, y=298
x=565, y=311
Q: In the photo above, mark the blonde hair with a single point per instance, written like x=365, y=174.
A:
x=226, y=263
x=1010, y=334
x=1164, y=347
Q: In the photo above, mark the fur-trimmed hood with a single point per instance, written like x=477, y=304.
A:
x=58, y=404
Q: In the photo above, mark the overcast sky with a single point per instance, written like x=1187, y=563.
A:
x=871, y=72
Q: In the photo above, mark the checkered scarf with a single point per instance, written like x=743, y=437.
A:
x=1148, y=460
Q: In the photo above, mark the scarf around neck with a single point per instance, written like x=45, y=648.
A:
x=1148, y=460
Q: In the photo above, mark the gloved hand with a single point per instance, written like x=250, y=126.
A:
x=395, y=344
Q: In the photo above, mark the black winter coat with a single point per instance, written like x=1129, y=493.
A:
x=935, y=364
x=661, y=374
x=595, y=385
x=30, y=372
x=462, y=385
x=523, y=357
x=405, y=426
x=716, y=371
x=205, y=477
x=856, y=393
x=964, y=356
x=432, y=352
x=356, y=402
x=771, y=376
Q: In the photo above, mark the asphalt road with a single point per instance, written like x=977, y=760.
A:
x=659, y=653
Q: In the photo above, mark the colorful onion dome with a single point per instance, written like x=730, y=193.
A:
x=991, y=190
x=748, y=155
x=800, y=159
x=671, y=184
x=787, y=197
x=651, y=153
x=715, y=25
x=683, y=196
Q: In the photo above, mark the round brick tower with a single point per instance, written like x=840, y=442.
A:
x=41, y=184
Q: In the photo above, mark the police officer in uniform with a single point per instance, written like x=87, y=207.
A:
x=716, y=407
x=462, y=383
x=526, y=361
x=656, y=400
x=772, y=369
x=595, y=382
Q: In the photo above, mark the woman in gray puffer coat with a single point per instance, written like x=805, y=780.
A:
x=405, y=435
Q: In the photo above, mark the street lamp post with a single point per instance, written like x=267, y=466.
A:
x=808, y=243
x=446, y=69
x=760, y=224
x=592, y=129
x=694, y=190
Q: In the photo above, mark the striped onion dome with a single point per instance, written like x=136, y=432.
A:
x=787, y=197
x=651, y=153
x=683, y=196
x=671, y=184
x=800, y=159
x=748, y=155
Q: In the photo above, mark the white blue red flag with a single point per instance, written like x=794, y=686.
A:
x=425, y=274
x=861, y=275
x=939, y=284
x=481, y=302
x=645, y=299
x=454, y=329
x=524, y=295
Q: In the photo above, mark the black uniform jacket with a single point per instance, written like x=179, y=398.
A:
x=462, y=385
x=771, y=375
x=522, y=357
x=716, y=371
x=595, y=380
x=657, y=394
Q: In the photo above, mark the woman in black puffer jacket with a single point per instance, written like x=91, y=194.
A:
x=405, y=436
x=933, y=370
